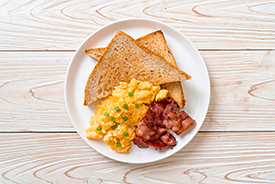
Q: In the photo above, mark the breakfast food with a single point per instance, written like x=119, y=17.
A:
x=95, y=53
x=117, y=115
x=123, y=60
x=153, y=129
x=156, y=43
x=138, y=81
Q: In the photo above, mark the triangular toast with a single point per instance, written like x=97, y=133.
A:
x=156, y=43
x=123, y=60
x=95, y=53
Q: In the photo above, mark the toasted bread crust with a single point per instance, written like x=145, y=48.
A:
x=95, y=53
x=124, y=65
x=155, y=42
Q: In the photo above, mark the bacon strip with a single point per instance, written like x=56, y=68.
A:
x=153, y=131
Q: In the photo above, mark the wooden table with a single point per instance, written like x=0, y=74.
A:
x=39, y=144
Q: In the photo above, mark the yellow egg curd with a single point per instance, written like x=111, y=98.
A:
x=117, y=115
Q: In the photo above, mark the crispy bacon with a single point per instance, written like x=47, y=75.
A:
x=140, y=142
x=167, y=138
x=176, y=120
x=153, y=131
x=144, y=131
x=157, y=109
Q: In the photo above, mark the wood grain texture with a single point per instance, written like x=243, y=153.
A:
x=32, y=91
x=236, y=143
x=242, y=91
x=208, y=158
x=64, y=24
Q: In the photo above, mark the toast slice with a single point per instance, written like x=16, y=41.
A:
x=95, y=53
x=123, y=60
x=155, y=42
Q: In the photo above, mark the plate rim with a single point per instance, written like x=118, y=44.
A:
x=146, y=20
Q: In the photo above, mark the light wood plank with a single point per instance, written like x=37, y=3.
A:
x=32, y=91
x=242, y=91
x=56, y=25
x=208, y=158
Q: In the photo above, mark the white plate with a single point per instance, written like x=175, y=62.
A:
x=196, y=90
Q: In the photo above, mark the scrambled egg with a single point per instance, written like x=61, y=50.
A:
x=117, y=115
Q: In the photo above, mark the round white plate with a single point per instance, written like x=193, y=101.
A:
x=196, y=90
